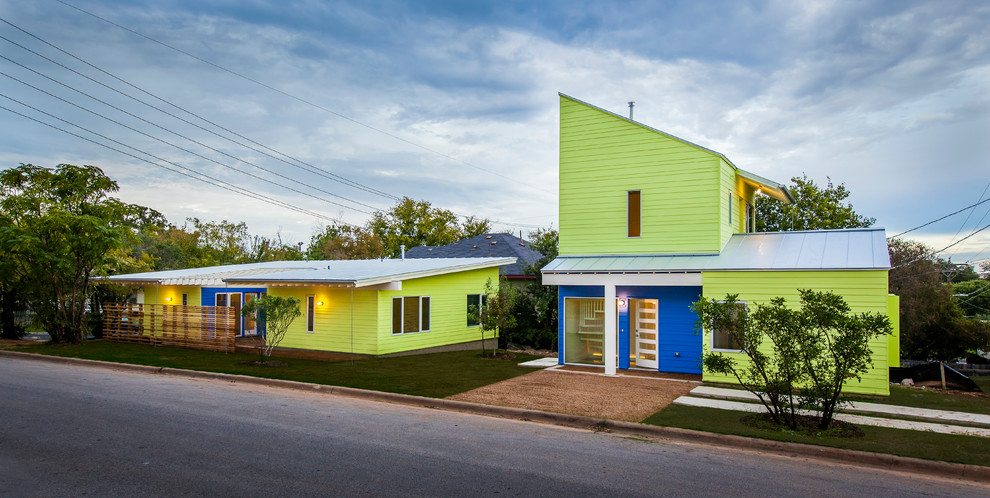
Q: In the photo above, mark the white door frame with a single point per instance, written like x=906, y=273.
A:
x=639, y=341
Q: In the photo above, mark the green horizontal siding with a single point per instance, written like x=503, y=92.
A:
x=157, y=294
x=602, y=157
x=332, y=320
x=864, y=291
x=448, y=303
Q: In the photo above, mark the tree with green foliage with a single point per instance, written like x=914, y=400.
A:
x=474, y=226
x=798, y=359
x=536, y=304
x=416, y=223
x=342, y=241
x=278, y=312
x=63, y=229
x=973, y=297
x=814, y=208
x=495, y=312
x=11, y=299
x=932, y=324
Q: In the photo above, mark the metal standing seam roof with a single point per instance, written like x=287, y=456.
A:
x=357, y=272
x=851, y=249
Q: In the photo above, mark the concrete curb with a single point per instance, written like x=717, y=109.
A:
x=632, y=429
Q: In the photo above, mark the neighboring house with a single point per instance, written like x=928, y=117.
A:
x=372, y=307
x=651, y=223
x=487, y=245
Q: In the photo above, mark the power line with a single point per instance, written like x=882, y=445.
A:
x=181, y=136
x=946, y=247
x=940, y=219
x=211, y=180
x=300, y=99
x=318, y=170
x=970, y=214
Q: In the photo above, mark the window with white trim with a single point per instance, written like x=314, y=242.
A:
x=410, y=314
x=750, y=218
x=634, y=213
x=725, y=338
x=310, y=313
x=475, y=302
x=730, y=208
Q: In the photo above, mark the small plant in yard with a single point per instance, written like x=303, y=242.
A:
x=495, y=311
x=279, y=313
x=797, y=359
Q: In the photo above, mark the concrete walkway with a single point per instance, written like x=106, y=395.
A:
x=713, y=397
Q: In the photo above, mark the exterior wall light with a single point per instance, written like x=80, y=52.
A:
x=168, y=298
x=622, y=302
x=319, y=303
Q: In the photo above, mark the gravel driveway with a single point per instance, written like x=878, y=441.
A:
x=631, y=398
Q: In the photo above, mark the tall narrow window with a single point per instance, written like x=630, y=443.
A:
x=185, y=299
x=750, y=218
x=475, y=302
x=730, y=208
x=633, y=213
x=310, y=313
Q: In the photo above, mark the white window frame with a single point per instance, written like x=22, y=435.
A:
x=310, y=313
x=419, y=317
x=712, y=341
x=730, y=210
x=750, y=218
x=483, y=299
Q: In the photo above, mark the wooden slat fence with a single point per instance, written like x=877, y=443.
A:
x=196, y=327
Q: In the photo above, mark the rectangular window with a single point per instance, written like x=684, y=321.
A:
x=584, y=330
x=310, y=314
x=475, y=302
x=725, y=338
x=410, y=314
x=185, y=299
x=730, y=208
x=633, y=213
x=750, y=218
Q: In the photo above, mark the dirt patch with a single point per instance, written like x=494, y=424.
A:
x=627, y=398
x=806, y=425
x=267, y=363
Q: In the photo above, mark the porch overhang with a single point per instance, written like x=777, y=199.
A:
x=621, y=278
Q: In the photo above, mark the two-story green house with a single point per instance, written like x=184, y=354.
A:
x=650, y=223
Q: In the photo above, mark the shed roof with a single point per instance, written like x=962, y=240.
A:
x=769, y=187
x=488, y=244
x=359, y=273
x=850, y=249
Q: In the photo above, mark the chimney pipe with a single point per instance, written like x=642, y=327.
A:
x=631, y=103
x=402, y=249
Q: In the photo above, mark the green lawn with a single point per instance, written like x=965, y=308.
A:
x=434, y=375
x=928, y=445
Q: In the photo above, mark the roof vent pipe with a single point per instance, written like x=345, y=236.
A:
x=402, y=251
x=631, y=103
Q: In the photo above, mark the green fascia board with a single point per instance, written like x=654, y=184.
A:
x=777, y=190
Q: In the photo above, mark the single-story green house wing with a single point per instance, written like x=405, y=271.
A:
x=372, y=307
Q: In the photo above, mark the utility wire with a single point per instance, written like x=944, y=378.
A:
x=211, y=180
x=314, y=169
x=300, y=99
x=970, y=215
x=180, y=136
x=942, y=218
x=946, y=247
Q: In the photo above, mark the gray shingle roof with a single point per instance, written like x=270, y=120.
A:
x=485, y=245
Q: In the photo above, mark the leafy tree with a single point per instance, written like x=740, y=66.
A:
x=932, y=324
x=814, y=208
x=11, y=299
x=973, y=297
x=340, y=241
x=812, y=352
x=495, y=314
x=536, y=305
x=63, y=229
x=221, y=242
x=279, y=313
x=417, y=223
x=264, y=249
x=473, y=226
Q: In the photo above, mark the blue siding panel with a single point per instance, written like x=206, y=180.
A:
x=679, y=344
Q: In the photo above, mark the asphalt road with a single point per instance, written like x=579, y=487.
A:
x=74, y=431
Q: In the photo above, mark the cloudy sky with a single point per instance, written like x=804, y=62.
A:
x=332, y=110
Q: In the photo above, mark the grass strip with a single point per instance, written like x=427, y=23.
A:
x=971, y=450
x=435, y=375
